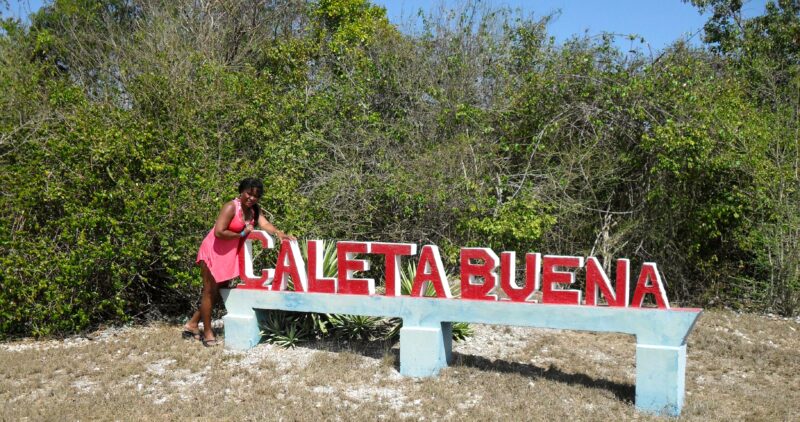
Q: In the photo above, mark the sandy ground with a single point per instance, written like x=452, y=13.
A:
x=740, y=367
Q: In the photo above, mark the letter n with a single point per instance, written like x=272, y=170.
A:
x=596, y=281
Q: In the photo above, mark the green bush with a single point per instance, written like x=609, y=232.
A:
x=124, y=126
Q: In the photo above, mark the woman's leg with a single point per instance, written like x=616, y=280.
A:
x=193, y=324
x=193, y=321
x=207, y=300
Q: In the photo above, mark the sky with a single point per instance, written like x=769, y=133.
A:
x=659, y=22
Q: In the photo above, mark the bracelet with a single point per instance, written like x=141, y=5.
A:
x=241, y=234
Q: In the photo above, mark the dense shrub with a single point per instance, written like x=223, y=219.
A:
x=124, y=125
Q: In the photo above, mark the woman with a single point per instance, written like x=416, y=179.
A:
x=218, y=258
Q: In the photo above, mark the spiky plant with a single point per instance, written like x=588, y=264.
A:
x=285, y=329
x=357, y=327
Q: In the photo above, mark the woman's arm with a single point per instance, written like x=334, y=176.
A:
x=224, y=220
x=269, y=228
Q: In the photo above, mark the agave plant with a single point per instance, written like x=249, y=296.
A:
x=285, y=329
x=357, y=327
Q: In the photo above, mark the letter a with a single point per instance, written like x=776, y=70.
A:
x=655, y=287
x=430, y=269
x=290, y=265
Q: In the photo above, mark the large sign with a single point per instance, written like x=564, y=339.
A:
x=483, y=274
x=490, y=294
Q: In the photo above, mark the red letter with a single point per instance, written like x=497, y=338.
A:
x=471, y=272
x=393, y=252
x=345, y=257
x=316, y=282
x=507, y=276
x=550, y=277
x=430, y=269
x=596, y=278
x=650, y=273
x=251, y=281
x=290, y=264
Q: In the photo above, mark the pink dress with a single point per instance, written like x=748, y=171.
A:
x=221, y=255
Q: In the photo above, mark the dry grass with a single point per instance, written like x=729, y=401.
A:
x=741, y=367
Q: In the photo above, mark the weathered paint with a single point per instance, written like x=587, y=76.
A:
x=425, y=343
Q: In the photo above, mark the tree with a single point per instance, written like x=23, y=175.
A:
x=766, y=50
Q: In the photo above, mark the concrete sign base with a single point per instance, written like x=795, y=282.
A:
x=426, y=336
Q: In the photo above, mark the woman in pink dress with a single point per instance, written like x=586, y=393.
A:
x=218, y=257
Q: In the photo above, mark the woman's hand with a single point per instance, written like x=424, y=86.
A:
x=247, y=229
x=283, y=236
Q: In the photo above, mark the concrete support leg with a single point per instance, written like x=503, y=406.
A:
x=424, y=351
x=660, y=378
x=447, y=337
x=241, y=330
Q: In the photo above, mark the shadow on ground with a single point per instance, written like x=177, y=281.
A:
x=380, y=349
x=624, y=392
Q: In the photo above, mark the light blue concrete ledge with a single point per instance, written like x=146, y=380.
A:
x=426, y=343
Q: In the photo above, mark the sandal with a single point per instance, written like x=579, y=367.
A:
x=190, y=335
x=210, y=343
